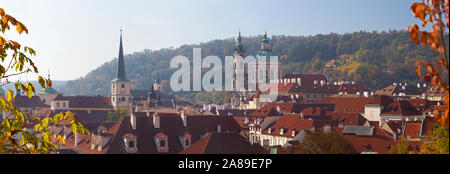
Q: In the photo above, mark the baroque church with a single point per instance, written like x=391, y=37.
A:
x=263, y=70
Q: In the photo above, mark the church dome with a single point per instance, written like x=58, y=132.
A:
x=49, y=91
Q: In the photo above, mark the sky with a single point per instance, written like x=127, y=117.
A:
x=73, y=37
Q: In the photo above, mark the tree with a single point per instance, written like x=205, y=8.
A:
x=437, y=143
x=435, y=13
x=15, y=136
x=116, y=115
x=321, y=143
x=402, y=147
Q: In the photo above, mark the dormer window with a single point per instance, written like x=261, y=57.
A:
x=161, y=142
x=130, y=143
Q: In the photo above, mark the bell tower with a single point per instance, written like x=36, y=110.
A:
x=120, y=86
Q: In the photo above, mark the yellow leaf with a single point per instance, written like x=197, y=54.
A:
x=2, y=12
x=19, y=28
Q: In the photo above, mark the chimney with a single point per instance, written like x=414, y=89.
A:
x=133, y=121
x=366, y=94
x=156, y=121
x=219, y=128
x=76, y=139
x=326, y=128
x=100, y=144
x=183, y=119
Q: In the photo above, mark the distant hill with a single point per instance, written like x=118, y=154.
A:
x=371, y=58
x=56, y=84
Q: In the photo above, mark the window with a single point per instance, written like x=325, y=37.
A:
x=186, y=143
x=123, y=99
x=162, y=143
x=64, y=104
x=57, y=104
x=113, y=99
x=123, y=85
x=131, y=144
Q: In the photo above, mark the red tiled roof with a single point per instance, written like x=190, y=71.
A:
x=292, y=122
x=348, y=118
x=86, y=101
x=382, y=100
x=224, y=143
x=400, y=107
x=412, y=129
x=265, y=112
x=25, y=102
x=421, y=104
x=380, y=141
x=347, y=104
x=170, y=125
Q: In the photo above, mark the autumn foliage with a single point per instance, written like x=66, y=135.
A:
x=433, y=13
x=22, y=132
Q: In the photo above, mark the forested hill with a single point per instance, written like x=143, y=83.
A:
x=371, y=58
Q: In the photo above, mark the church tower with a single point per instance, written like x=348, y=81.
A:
x=264, y=54
x=120, y=86
x=157, y=83
x=239, y=51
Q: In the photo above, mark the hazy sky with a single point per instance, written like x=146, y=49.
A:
x=73, y=37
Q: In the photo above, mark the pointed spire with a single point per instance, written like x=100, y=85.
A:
x=49, y=75
x=121, y=64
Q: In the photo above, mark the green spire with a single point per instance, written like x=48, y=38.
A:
x=120, y=76
x=239, y=46
x=265, y=39
x=49, y=90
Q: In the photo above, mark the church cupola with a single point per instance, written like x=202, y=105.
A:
x=239, y=47
x=265, y=45
x=157, y=83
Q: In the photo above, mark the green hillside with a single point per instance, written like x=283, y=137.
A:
x=371, y=58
